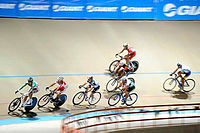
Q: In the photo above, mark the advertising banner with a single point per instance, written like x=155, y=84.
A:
x=135, y=9
x=73, y=9
x=8, y=8
x=178, y=10
x=102, y=9
x=34, y=8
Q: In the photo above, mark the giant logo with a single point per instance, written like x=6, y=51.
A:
x=171, y=10
x=58, y=8
x=33, y=7
x=101, y=9
x=125, y=9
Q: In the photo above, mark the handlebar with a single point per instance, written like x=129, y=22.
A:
x=121, y=57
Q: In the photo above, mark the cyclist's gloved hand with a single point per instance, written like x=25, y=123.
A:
x=80, y=86
x=47, y=88
x=16, y=91
x=171, y=74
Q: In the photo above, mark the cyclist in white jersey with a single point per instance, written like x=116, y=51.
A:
x=184, y=70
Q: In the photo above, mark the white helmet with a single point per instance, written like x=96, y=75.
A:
x=60, y=78
x=125, y=45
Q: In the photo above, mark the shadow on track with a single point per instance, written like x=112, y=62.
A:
x=23, y=114
x=57, y=110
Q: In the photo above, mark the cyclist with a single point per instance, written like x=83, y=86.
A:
x=61, y=88
x=92, y=86
x=34, y=89
x=127, y=86
x=131, y=52
x=125, y=62
x=184, y=70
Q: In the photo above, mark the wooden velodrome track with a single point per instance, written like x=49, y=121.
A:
x=47, y=48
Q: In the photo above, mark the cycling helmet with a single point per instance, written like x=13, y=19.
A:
x=30, y=79
x=125, y=45
x=90, y=78
x=60, y=78
x=179, y=64
x=124, y=79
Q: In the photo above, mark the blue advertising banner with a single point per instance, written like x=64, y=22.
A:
x=8, y=8
x=135, y=9
x=34, y=8
x=73, y=9
x=102, y=9
x=178, y=10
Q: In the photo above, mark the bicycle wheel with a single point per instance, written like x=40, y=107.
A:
x=78, y=98
x=113, y=66
x=132, y=98
x=135, y=66
x=111, y=85
x=14, y=104
x=169, y=84
x=44, y=100
x=189, y=85
x=114, y=99
x=96, y=99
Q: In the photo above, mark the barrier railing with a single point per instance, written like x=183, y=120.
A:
x=131, y=117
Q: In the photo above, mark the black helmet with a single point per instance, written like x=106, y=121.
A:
x=30, y=79
x=91, y=77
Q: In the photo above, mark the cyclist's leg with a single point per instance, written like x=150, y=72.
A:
x=187, y=74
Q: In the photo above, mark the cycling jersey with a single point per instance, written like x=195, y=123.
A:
x=129, y=83
x=132, y=52
x=94, y=84
x=62, y=85
x=186, y=70
x=33, y=86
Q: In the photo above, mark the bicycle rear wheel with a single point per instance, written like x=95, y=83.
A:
x=114, y=99
x=78, y=98
x=111, y=85
x=44, y=100
x=113, y=66
x=169, y=84
x=189, y=85
x=96, y=99
x=132, y=98
x=135, y=66
x=14, y=104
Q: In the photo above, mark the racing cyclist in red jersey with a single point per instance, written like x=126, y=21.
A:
x=127, y=58
x=61, y=88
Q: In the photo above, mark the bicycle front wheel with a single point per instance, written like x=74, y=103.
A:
x=14, y=104
x=132, y=98
x=111, y=85
x=114, y=99
x=189, y=85
x=113, y=66
x=169, y=84
x=44, y=100
x=95, y=99
x=78, y=98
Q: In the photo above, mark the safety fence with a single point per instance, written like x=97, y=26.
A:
x=102, y=9
x=112, y=119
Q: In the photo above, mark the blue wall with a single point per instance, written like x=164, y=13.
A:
x=102, y=9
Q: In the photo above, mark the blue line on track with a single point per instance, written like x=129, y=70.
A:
x=49, y=75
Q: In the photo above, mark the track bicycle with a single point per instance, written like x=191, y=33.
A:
x=134, y=64
x=14, y=104
x=115, y=98
x=170, y=83
x=49, y=97
x=81, y=96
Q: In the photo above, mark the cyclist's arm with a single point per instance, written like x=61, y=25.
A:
x=121, y=51
x=52, y=85
x=175, y=71
x=84, y=84
x=22, y=87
